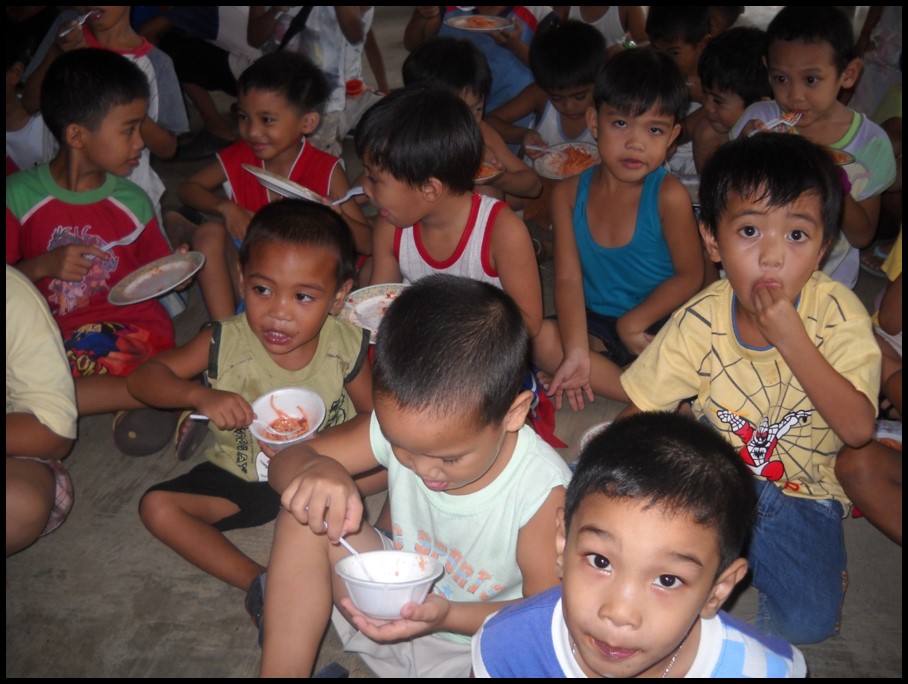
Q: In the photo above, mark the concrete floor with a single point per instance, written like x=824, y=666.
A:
x=101, y=598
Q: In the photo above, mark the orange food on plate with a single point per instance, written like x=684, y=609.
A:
x=480, y=23
x=575, y=161
x=840, y=157
x=486, y=170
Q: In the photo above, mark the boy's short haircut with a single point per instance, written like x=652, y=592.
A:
x=304, y=223
x=676, y=22
x=452, y=347
x=82, y=86
x=732, y=62
x=452, y=64
x=636, y=80
x=418, y=133
x=291, y=75
x=673, y=463
x=780, y=168
x=825, y=24
x=567, y=56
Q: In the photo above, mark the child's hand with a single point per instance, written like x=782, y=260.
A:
x=72, y=262
x=227, y=410
x=323, y=492
x=777, y=319
x=509, y=38
x=572, y=378
x=73, y=40
x=533, y=138
x=236, y=219
x=416, y=620
x=753, y=127
x=634, y=339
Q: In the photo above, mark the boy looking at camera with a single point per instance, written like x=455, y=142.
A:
x=781, y=360
x=649, y=548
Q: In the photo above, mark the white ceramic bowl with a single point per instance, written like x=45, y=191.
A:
x=292, y=401
x=398, y=577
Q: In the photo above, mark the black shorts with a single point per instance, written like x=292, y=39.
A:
x=258, y=502
x=199, y=62
x=605, y=329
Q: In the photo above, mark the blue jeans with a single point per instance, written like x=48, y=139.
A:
x=797, y=556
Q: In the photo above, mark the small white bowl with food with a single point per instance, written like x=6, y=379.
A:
x=287, y=416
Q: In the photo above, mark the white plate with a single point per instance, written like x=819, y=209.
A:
x=472, y=23
x=496, y=172
x=367, y=306
x=156, y=278
x=284, y=186
x=549, y=164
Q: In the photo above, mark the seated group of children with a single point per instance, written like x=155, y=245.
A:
x=625, y=565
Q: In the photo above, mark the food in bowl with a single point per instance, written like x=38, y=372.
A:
x=287, y=416
x=380, y=583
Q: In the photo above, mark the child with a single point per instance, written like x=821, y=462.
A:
x=276, y=108
x=615, y=23
x=649, y=548
x=420, y=149
x=781, y=361
x=565, y=62
x=459, y=67
x=109, y=28
x=626, y=247
x=470, y=484
x=61, y=215
x=28, y=142
x=733, y=76
x=810, y=57
x=40, y=417
x=297, y=268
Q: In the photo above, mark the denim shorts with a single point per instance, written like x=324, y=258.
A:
x=797, y=556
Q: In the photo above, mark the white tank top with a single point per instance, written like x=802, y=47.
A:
x=609, y=24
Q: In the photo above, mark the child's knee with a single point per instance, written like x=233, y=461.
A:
x=154, y=508
x=209, y=236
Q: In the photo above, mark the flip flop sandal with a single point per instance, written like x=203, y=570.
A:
x=143, y=432
x=190, y=436
x=873, y=257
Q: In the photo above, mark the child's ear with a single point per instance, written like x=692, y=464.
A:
x=676, y=131
x=560, y=543
x=709, y=240
x=723, y=587
x=851, y=73
x=309, y=123
x=432, y=190
x=592, y=122
x=74, y=135
x=341, y=296
x=517, y=415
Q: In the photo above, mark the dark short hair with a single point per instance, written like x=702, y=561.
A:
x=634, y=81
x=674, y=463
x=824, y=24
x=81, y=87
x=567, y=56
x=304, y=223
x=421, y=132
x=451, y=64
x=291, y=75
x=674, y=22
x=732, y=62
x=780, y=168
x=452, y=346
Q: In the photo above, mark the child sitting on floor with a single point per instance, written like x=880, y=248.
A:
x=469, y=484
x=626, y=247
x=649, y=548
x=276, y=108
x=297, y=268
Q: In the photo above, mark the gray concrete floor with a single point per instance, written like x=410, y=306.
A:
x=101, y=598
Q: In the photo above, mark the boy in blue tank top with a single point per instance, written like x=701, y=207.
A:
x=627, y=251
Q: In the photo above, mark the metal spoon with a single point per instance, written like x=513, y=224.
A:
x=352, y=192
x=79, y=21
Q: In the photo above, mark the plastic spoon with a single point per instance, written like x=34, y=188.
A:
x=79, y=21
x=356, y=554
x=261, y=423
x=352, y=192
x=129, y=239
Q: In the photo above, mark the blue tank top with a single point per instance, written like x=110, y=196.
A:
x=616, y=279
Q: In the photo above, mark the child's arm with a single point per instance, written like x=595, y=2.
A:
x=859, y=219
x=198, y=191
x=891, y=307
x=536, y=555
x=385, y=268
x=423, y=25
x=165, y=381
x=573, y=374
x=706, y=141
x=159, y=141
x=513, y=257
x=69, y=263
x=518, y=179
x=530, y=100
x=353, y=215
x=360, y=389
x=679, y=229
x=847, y=411
x=31, y=91
x=376, y=62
